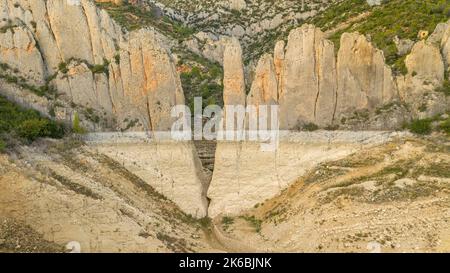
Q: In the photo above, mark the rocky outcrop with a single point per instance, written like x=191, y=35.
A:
x=237, y=4
x=308, y=79
x=315, y=87
x=364, y=80
x=233, y=78
x=425, y=73
x=352, y=90
x=128, y=79
x=355, y=90
x=264, y=90
x=20, y=51
x=445, y=45
x=278, y=60
x=424, y=64
x=208, y=45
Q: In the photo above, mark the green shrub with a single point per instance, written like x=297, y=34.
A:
x=421, y=126
x=310, y=127
x=36, y=128
x=32, y=129
x=27, y=124
x=76, y=127
x=2, y=146
x=445, y=126
x=63, y=68
x=445, y=88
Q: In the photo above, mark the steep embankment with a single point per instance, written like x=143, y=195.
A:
x=66, y=192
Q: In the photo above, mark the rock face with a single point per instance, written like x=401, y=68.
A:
x=308, y=79
x=364, y=80
x=311, y=85
x=123, y=77
x=315, y=87
x=445, y=44
x=233, y=78
x=425, y=73
x=264, y=90
x=424, y=64
x=237, y=4
x=208, y=45
x=171, y=168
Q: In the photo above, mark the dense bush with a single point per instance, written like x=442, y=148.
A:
x=445, y=126
x=28, y=125
x=35, y=128
x=310, y=127
x=420, y=126
x=2, y=145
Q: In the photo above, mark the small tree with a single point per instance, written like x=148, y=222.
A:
x=77, y=128
x=2, y=146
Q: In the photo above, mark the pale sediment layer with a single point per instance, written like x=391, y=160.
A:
x=245, y=175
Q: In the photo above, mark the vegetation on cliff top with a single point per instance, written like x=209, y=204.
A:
x=395, y=18
x=401, y=18
x=133, y=17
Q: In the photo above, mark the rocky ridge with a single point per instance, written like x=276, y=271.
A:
x=312, y=86
x=252, y=22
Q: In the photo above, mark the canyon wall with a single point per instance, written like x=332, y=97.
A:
x=312, y=85
x=67, y=58
x=115, y=79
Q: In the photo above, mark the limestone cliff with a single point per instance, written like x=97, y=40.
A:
x=122, y=80
x=308, y=80
x=233, y=78
x=364, y=80
x=313, y=84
